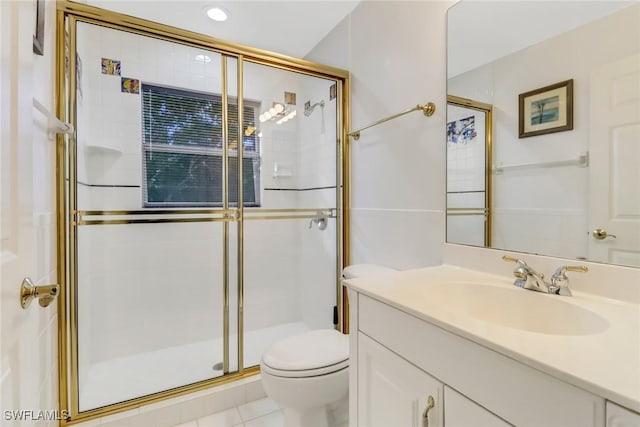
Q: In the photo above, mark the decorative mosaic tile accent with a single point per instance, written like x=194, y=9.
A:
x=128, y=85
x=110, y=66
x=290, y=98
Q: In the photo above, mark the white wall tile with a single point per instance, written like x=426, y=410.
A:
x=399, y=239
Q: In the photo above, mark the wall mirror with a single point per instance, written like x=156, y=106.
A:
x=543, y=128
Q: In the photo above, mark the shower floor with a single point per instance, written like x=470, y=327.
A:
x=126, y=378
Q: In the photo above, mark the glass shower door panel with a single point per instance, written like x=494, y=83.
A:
x=149, y=270
x=149, y=122
x=467, y=141
x=149, y=301
x=290, y=236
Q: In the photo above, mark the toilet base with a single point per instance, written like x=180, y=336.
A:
x=310, y=401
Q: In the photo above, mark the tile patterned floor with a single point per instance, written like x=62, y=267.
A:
x=259, y=413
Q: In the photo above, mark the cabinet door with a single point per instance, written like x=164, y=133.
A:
x=617, y=416
x=392, y=392
x=462, y=412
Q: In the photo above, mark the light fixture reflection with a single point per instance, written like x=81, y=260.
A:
x=217, y=14
x=203, y=58
x=278, y=111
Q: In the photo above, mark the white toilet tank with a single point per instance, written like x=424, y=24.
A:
x=363, y=270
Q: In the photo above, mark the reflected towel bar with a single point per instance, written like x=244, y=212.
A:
x=58, y=126
x=427, y=109
x=581, y=161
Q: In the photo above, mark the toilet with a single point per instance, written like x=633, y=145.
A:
x=307, y=374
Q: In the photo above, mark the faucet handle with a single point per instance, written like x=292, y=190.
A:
x=562, y=271
x=560, y=280
x=523, y=267
x=508, y=258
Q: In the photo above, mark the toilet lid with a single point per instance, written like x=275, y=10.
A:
x=324, y=349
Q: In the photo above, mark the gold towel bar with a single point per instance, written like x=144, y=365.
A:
x=427, y=109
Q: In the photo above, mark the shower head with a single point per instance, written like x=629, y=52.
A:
x=308, y=108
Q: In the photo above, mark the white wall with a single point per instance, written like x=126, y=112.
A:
x=553, y=201
x=28, y=344
x=395, y=52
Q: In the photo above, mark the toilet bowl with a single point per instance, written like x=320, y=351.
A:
x=307, y=374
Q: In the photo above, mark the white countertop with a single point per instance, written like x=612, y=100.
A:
x=604, y=361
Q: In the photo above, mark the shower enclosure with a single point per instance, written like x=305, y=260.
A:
x=201, y=207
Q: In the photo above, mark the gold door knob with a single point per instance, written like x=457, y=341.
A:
x=601, y=234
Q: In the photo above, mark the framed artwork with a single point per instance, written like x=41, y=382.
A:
x=546, y=110
x=38, y=37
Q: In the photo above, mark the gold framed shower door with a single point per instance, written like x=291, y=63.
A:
x=69, y=217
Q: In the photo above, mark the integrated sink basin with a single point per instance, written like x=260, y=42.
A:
x=515, y=308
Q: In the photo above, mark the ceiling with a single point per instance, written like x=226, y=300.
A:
x=491, y=29
x=480, y=32
x=288, y=27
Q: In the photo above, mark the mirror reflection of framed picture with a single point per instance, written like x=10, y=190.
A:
x=546, y=110
x=38, y=37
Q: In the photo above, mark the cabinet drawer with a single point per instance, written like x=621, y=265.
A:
x=519, y=394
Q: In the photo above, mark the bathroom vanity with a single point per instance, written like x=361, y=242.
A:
x=446, y=346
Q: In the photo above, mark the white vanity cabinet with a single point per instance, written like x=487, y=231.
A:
x=398, y=360
x=393, y=391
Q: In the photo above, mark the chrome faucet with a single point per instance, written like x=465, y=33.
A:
x=320, y=221
x=528, y=278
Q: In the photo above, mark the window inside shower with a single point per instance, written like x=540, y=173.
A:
x=172, y=282
x=182, y=144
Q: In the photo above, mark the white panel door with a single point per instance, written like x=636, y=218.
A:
x=393, y=392
x=26, y=348
x=614, y=177
x=16, y=166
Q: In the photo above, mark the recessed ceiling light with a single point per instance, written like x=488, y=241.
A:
x=217, y=14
